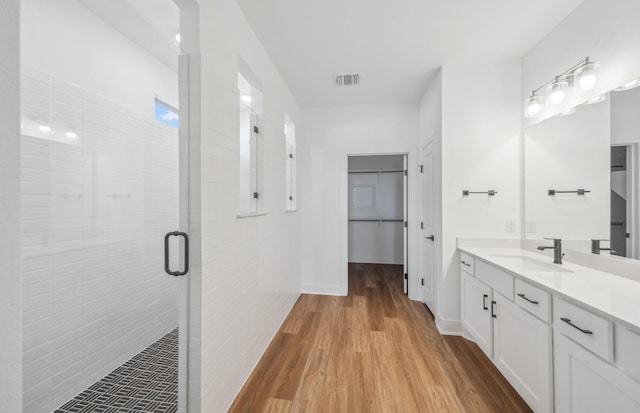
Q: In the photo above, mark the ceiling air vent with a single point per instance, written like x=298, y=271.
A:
x=347, y=80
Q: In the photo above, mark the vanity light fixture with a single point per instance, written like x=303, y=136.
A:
x=583, y=76
x=629, y=85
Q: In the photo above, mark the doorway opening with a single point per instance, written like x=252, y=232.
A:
x=377, y=214
x=623, y=231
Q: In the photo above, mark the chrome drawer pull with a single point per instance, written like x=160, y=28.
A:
x=468, y=265
x=524, y=297
x=568, y=321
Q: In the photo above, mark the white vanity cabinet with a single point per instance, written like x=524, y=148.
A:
x=522, y=353
x=476, y=312
x=588, y=378
x=518, y=342
x=567, y=337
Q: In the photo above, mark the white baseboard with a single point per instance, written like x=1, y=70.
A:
x=448, y=327
x=378, y=260
x=323, y=289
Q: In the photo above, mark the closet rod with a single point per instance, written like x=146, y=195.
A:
x=378, y=172
x=376, y=220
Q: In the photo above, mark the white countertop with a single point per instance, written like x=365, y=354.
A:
x=607, y=293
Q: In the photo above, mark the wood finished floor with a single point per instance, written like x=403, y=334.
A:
x=372, y=351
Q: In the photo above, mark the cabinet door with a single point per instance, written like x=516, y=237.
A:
x=522, y=353
x=476, y=312
x=585, y=383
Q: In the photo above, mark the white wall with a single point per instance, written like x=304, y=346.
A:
x=625, y=116
x=431, y=111
x=95, y=206
x=250, y=266
x=72, y=33
x=10, y=286
x=382, y=197
x=481, y=150
x=330, y=135
x=607, y=31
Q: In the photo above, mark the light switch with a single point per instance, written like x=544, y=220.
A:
x=511, y=225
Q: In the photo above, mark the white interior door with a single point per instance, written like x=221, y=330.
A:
x=428, y=228
x=405, y=229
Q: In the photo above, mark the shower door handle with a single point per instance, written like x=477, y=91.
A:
x=186, y=253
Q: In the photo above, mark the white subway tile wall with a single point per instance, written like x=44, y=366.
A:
x=99, y=191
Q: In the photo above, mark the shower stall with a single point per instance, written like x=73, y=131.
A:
x=104, y=178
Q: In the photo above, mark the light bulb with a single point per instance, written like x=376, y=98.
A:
x=71, y=135
x=177, y=37
x=587, y=75
x=587, y=82
x=246, y=98
x=558, y=91
x=44, y=129
x=556, y=97
x=533, y=106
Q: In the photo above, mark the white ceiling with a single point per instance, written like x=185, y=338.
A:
x=395, y=45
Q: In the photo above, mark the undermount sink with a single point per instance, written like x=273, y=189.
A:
x=531, y=264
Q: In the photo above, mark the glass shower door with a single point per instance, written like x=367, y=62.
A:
x=101, y=178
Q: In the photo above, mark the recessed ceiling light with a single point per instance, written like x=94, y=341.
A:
x=246, y=98
x=44, y=128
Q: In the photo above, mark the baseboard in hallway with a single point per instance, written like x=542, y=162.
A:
x=148, y=383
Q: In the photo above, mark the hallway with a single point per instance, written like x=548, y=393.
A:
x=372, y=351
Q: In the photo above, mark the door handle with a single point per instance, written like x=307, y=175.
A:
x=484, y=301
x=186, y=253
x=431, y=237
x=493, y=312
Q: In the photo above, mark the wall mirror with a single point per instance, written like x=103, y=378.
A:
x=582, y=178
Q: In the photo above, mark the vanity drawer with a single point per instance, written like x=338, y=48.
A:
x=467, y=263
x=628, y=351
x=499, y=280
x=584, y=327
x=533, y=299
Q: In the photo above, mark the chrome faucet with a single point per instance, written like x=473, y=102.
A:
x=596, y=248
x=557, y=250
